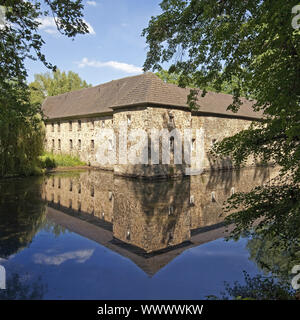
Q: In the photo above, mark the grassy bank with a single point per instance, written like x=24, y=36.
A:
x=49, y=160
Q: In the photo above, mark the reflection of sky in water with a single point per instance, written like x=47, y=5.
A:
x=125, y=240
x=74, y=267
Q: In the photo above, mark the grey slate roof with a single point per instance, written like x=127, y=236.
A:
x=146, y=88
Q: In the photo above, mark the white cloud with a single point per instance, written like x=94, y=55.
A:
x=79, y=256
x=125, y=67
x=48, y=25
x=92, y=3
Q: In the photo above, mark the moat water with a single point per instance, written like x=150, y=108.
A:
x=92, y=235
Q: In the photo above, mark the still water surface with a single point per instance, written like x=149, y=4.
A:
x=92, y=235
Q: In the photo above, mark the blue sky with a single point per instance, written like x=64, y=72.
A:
x=113, y=49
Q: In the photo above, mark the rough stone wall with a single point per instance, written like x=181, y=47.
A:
x=215, y=130
x=88, y=131
x=151, y=215
x=145, y=118
x=88, y=193
x=209, y=191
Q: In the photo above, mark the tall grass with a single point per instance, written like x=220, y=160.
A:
x=50, y=160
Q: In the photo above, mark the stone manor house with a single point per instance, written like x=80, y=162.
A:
x=74, y=121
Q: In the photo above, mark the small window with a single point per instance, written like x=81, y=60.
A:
x=71, y=186
x=110, y=144
x=171, y=119
x=71, y=144
x=172, y=144
x=193, y=144
x=92, y=124
x=92, y=191
x=79, y=125
x=59, y=144
x=59, y=183
x=213, y=197
x=232, y=191
x=128, y=119
x=58, y=200
x=103, y=124
x=70, y=125
x=79, y=188
x=79, y=144
x=192, y=200
x=92, y=144
x=53, y=144
x=52, y=127
x=58, y=126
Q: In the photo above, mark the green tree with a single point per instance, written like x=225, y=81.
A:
x=20, y=123
x=168, y=77
x=174, y=78
x=58, y=82
x=254, y=42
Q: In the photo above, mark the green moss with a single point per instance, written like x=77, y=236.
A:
x=50, y=160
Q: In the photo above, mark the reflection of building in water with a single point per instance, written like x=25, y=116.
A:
x=149, y=222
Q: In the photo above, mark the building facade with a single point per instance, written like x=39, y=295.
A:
x=76, y=122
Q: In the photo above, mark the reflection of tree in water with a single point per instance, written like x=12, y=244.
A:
x=258, y=287
x=271, y=254
x=22, y=213
x=54, y=228
x=19, y=288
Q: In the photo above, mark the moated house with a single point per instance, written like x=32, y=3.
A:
x=75, y=123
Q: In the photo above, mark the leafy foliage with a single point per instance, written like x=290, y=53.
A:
x=20, y=288
x=21, y=131
x=251, y=43
x=58, y=82
x=258, y=287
